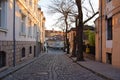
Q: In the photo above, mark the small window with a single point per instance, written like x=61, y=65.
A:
x=23, y=52
x=2, y=59
x=30, y=49
x=109, y=29
x=109, y=0
x=109, y=58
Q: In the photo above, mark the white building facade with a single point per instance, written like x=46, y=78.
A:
x=28, y=26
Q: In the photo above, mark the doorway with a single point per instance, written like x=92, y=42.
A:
x=109, y=58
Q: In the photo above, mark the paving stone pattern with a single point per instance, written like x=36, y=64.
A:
x=53, y=66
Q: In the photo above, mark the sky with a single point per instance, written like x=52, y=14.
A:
x=50, y=19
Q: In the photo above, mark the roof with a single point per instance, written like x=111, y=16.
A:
x=86, y=27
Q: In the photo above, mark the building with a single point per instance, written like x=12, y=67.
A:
x=56, y=42
x=55, y=39
x=72, y=36
x=42, y=31
x=20, y=43
x=107, y=32
x=49, y=33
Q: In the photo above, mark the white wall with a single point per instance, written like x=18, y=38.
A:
x=8, y=34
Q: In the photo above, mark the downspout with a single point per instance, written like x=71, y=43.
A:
x=14, y=40
x=101, y=33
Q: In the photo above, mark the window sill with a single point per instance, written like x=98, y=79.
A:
x=3, y=30
x=22, y=34
x=30, y=36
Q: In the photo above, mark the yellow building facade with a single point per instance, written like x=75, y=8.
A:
x=107, y=32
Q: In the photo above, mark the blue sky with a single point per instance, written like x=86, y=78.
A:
x=50, y=18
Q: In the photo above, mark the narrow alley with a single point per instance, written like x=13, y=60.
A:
x=54, y=65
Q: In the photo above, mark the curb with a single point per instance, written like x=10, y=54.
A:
x=18, y=67
x=93, y=71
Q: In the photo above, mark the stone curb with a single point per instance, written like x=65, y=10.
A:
x=18, y=67
x=93, y=71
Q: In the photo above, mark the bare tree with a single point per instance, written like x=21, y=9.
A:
x=64, y=8
x=79, y=27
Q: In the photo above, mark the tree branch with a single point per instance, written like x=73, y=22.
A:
x=90, y=18
x=91, y=6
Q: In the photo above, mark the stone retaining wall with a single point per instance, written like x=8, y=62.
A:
x=7, y=47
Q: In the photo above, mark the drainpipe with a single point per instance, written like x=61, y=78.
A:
x=14, y=40
x=101, y=32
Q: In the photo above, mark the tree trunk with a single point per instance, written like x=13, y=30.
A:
x=79, y=32
x=74, y=47
x=74, y=42
x=67, y=42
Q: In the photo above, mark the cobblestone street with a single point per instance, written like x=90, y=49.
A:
x=53, y=66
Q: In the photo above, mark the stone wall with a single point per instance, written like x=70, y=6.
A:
x=7, y=47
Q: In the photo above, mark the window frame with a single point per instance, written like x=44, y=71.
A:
x=35, y=31
x=3, y=15
x=29, y=28
x=30, y=49
x=30, y=2
x=109, y=1
x=23, y=25
x=0, y=12
x=109, y=29
x=23, y=52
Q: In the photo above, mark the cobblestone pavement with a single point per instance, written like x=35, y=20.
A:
x=53, y=66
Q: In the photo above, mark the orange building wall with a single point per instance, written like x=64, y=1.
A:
x=71, y=35
x=116, y=39
x=110, y=9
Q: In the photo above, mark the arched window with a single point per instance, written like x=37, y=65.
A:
x=30, y=49
x=23, y=52
x=2, y=59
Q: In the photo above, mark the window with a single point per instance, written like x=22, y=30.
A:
x=23, y=52
x=23, y=24
x=35, y=30
x=34, y=5
x=109, y=29
x=30, y=28
x=2, y=59
x=30, y=50
x=2, y=14
x=30, y=2
x=109, y=58
x=109, y=0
